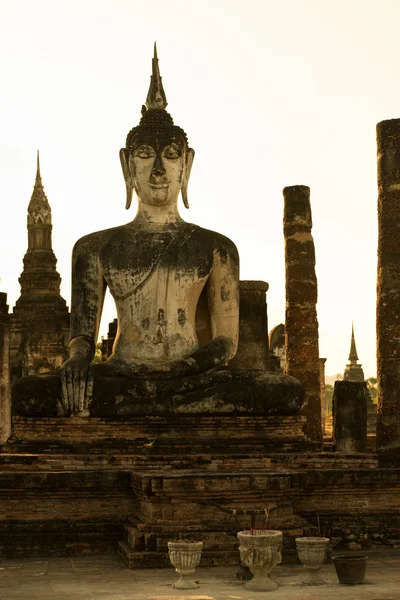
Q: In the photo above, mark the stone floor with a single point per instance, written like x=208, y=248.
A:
x=105, y=578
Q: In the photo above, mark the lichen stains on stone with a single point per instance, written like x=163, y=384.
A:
x=161, y=317
x=181, y=317
x=225, y=294
x=132, y=333
x=223, y=254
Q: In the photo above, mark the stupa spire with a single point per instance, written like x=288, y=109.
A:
x=38, y=175
x=39, y=210
x=353, y=371
x=156, y=96
x=353, y=358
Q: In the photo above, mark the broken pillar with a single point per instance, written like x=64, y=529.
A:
x=388, y=286
x=349, y=412
x=252, y=352
x=301, y=326
x=5, y=401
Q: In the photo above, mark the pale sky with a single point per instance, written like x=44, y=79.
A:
x=271, y=93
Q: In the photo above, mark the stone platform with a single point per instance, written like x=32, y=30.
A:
x=72, y=487
x=105, y=578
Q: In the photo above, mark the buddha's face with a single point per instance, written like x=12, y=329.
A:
x=158, y=172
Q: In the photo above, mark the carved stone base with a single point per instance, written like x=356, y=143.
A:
x=223, y=392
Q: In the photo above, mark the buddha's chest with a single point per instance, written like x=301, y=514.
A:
x=152, y=264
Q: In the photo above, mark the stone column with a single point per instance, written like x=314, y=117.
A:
x=322, y=362
x=349, y=412
x=253, y=327
x=5, y=397
x=388, y=286
x=301, y=326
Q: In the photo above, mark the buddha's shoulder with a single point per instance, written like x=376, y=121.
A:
x=98, y=239
x=218, y=241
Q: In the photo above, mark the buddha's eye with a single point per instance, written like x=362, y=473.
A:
x=172, y=151
x=145, y=152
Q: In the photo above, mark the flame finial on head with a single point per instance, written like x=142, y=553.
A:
x=156, y=96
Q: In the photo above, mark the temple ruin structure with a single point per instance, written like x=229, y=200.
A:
x=39, y=323
x=186, y=428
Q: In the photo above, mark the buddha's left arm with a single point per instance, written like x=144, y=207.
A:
x=222, y=290
x=223, y=297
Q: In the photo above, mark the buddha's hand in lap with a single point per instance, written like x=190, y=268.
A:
x=206, y=358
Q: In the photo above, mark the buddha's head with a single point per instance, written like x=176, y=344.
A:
x=157, y=160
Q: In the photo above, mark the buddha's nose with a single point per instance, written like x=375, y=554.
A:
x=158, y=166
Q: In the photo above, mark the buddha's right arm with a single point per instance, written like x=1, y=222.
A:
x=88, y=290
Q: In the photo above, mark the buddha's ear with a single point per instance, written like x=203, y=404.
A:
x=186, y=175
x=124, y=158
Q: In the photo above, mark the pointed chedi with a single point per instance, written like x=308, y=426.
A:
x=39, y=328
x=39, y=211
x=353, y=358
x=353, y=371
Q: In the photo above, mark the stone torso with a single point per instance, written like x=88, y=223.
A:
x=156, y=276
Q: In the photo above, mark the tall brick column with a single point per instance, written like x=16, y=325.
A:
x=301, y=326
x=5, y=401
x=388, y=286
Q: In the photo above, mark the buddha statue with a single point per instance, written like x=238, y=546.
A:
x=176, y=290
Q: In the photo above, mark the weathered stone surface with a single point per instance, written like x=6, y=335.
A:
x=301, y=324
x=349, y=410
x=388, y=285
x=184, y=441
x=220, y=392
x=184, y=475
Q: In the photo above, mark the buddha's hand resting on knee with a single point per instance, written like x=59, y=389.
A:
x=76, y=379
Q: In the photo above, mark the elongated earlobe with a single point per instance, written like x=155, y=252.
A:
x=124, y=158
x=186, y=176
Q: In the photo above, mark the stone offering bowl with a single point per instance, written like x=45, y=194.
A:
x=261, y=551
x=185, y=556
x=312, y=553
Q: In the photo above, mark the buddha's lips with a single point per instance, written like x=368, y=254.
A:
x=159, y=185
